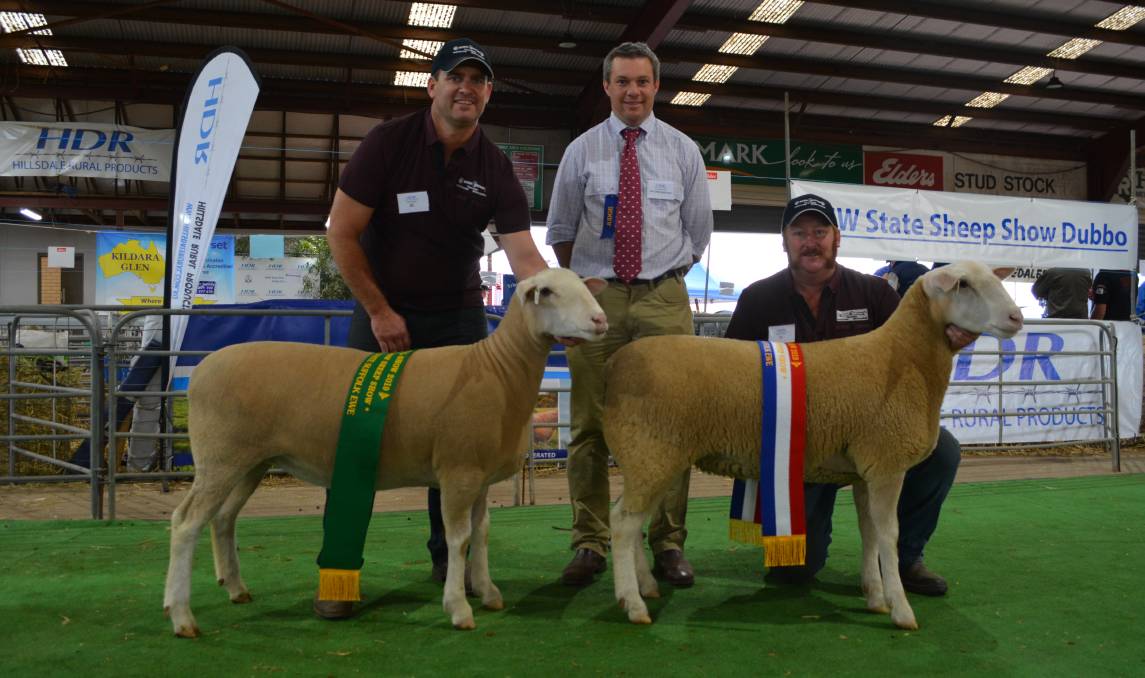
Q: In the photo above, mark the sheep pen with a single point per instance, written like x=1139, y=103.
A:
x=459, y=420
x=872, y=412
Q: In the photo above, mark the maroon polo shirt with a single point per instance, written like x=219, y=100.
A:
x=852, y=303
x=428, y=257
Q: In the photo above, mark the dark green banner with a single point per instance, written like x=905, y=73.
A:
x=760, y=161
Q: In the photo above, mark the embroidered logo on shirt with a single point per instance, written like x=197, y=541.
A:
x=853, y=315
x=471, y=186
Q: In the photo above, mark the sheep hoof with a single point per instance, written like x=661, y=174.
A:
x=905, y=621
x=878, y=608
x=191, y=631
x=465, y=624
x=242, y=598
x=653, y=593
x=640, y=618
x=496, y=604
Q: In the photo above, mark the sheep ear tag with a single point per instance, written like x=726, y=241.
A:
x=769, y=512
x=350, y=502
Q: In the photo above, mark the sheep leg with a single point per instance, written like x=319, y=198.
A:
x=456, y=507
x=883, y=498
x=207, y=494
x=223, y=544
x=626, y=539
x=872, y=580
x=649, y=588
x=479, y=555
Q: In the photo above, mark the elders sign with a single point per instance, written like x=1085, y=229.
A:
x=903, y=170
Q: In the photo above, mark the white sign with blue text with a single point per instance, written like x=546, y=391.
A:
x=58, y=149
x=900, y=224
x=1049, y=381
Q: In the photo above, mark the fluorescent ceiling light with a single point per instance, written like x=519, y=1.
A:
x=714, y=73
x=20, y=21
x=690, y=99
x=31, y=213
x=428, y=46
x=987, y=100
x=1074, y=48
x=431, y=15
x=959, y=121
x=411, y=78
x=775, y=11
x=1129, y=15
x=1028, y=75
x=743, y=43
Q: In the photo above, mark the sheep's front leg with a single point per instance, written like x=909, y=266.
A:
x=479, y=555
x=456, y=505
x=626, y=539
x=883, y=499
x=872, y=580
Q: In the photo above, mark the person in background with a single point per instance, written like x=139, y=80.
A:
x=1112, y=295
x=1064, y=292
x=902, y=274
x=630, y=203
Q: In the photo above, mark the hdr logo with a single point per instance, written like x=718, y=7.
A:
x=208, y=118
x=1046, y=342
x=80, y=139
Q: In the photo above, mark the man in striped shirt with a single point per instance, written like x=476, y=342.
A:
x=630, y=204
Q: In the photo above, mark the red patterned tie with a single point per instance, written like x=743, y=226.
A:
x=626, y=261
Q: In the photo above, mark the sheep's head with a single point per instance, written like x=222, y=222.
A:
x=562, y=305
x=970, y=295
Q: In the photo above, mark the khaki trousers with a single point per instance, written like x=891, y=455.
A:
x=633, y=311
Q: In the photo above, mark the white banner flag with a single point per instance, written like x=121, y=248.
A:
x=215, y=116
x=899, y=224
x=1049, y=407
x=104, y=151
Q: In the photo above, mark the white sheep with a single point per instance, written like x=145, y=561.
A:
x=873, y=405
x=460, y=420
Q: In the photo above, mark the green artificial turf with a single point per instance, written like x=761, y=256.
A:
x=1045, y=580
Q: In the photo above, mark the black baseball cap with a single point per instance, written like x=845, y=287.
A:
x=802, y=204
x=456, y=52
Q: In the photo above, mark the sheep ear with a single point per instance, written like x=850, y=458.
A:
x=526, y=288
x=939, y=281
x=595, y=285
x=1003, y=273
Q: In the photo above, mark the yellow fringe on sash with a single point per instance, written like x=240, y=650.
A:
x=745, y=531
x=339, y=584
x=783, y=551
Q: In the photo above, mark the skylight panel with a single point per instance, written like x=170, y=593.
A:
x=690, y=98
x=427, y=46
x=431, y=15
x=775, y=11
x=1028, y=75
x=987, y=100
x=743, y=43
x=714, y=73
x=959, y=121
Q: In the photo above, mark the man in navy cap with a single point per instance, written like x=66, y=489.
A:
x=814, y=299
x=406, y=224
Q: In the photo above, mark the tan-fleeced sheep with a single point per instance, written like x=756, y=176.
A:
x=873, y=405
x=460, y=420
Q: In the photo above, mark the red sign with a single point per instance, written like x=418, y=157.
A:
x=902, y=170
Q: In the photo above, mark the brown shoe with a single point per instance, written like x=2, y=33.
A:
x=334, y=609
x=585, y=565
x=916, y=578
x=673, y=567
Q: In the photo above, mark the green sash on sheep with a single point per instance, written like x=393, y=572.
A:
x=350, y=501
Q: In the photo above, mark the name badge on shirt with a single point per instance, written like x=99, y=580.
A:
x=662, y=190
x=853, y=315
x=781, y=333
x=608, y=226
x=408, y=203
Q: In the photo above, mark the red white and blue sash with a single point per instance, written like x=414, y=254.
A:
x=769, y=512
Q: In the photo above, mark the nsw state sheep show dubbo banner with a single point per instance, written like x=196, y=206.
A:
x=908, y=224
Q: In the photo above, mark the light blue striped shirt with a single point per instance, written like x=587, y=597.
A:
x=676, y=204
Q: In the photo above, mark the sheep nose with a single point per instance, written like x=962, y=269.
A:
x=1016, y=316
x=600, y=323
